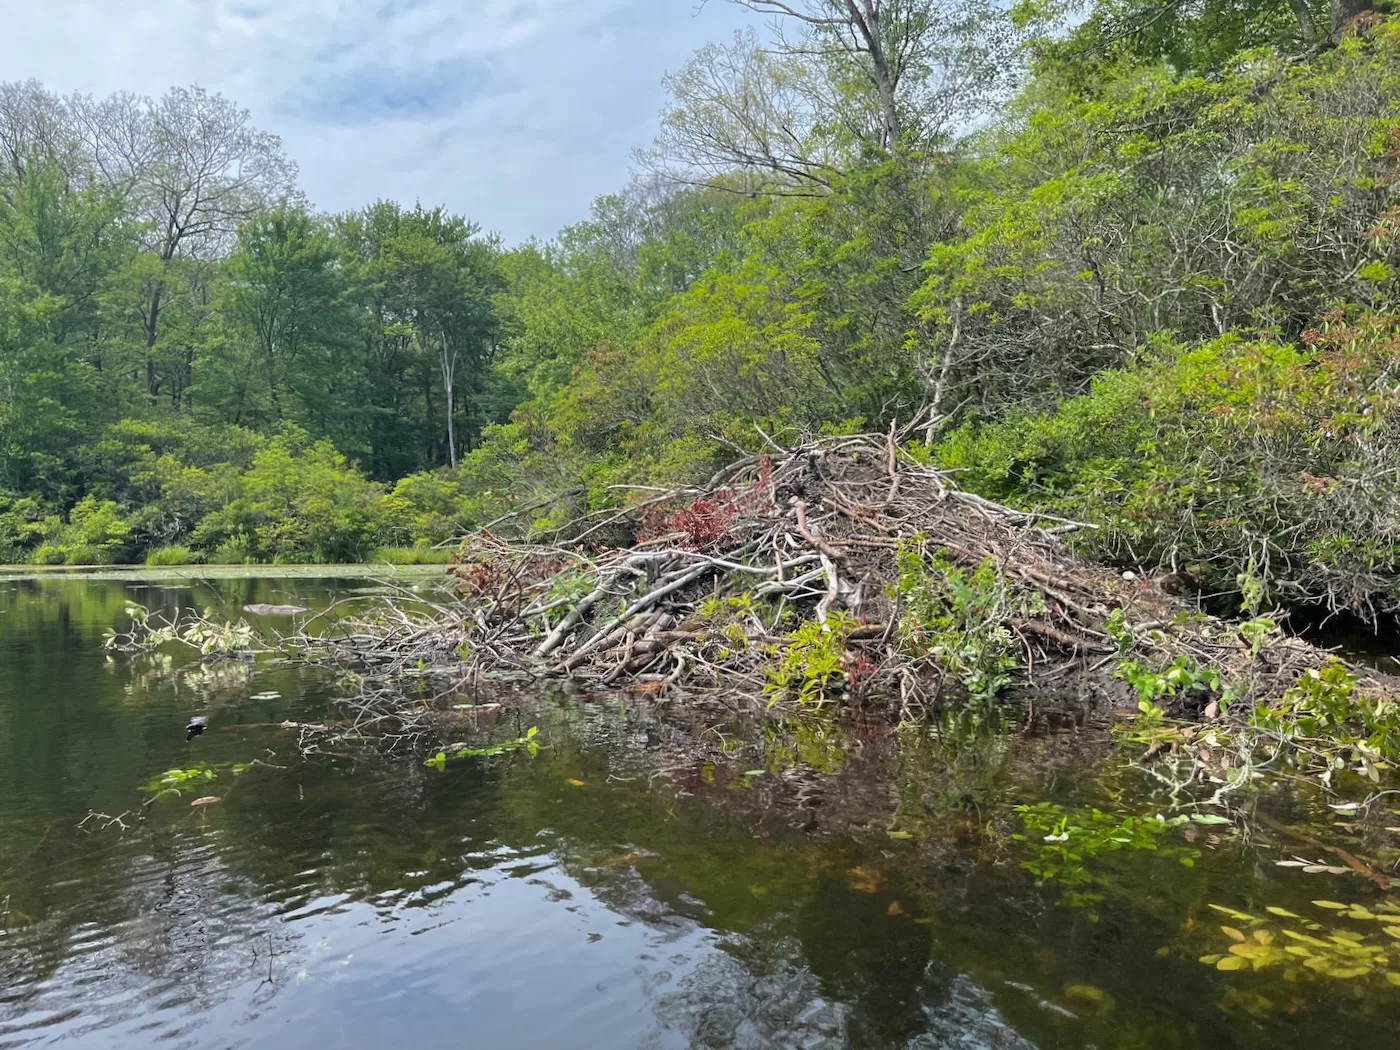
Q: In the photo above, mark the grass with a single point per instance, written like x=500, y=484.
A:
x=411, y=556
x=175, y=554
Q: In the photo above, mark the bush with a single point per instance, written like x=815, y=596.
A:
x=96, y=533
x=425, y=509
x=49, y=554
x=1240, y=464
x=89, y=554
x=297, y=503
x=235, y=550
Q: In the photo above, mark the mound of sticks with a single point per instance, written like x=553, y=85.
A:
x=703, y=588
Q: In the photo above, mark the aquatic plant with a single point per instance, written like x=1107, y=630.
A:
x=1301, y=948
x=173, y=781
x=528, y=742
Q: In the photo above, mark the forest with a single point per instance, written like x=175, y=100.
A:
x=1130, y=262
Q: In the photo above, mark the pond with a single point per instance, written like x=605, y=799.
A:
x=797, y=884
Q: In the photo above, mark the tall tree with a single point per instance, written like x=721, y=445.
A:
x=59, y=244
x=836, y=82
x=426, y=287
x=284, y=355
x=194, y=168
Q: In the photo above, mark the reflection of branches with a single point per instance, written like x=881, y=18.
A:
x=103, y=821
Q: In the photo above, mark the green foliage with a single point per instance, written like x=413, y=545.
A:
x=810, y=665
x=96, y=533
x=421, y=554
x=731, y=618
x=527, y=742
x=122, y=370
x=1300, y=949
x=956, y=618
x=176, y=779
x=1325, y=719
x=206, y=634
x=1227, y=460
x=297, y=503
x=1153, y=683
x=1154, y=289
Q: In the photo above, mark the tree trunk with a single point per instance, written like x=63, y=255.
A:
x=867, y=22
x=448, y=363
x=152, y=330
x=1307, y=32
x=936, y=417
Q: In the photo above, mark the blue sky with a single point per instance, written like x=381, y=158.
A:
x=515, y=113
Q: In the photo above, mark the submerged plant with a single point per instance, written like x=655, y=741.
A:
x=1067, y=844
x=1302, y=948
x=175, y=781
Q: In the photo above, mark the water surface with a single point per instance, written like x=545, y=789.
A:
x=804, y=886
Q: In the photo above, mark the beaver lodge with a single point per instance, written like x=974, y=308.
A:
x=842, y=571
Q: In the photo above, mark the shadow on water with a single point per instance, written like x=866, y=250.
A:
x=806, y=885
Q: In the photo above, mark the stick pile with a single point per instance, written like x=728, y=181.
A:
x=638, y=598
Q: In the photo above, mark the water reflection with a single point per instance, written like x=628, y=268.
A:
x=812, y=886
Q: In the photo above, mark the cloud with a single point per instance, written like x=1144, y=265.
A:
x=516, y=113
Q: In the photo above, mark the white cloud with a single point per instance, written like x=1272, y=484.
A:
x=514, y=112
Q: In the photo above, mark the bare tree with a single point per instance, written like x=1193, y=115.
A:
x=194, y=168
x=34, y=124
x=837, y=80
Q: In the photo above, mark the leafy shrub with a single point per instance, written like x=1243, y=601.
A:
x=811, y=665
x=49, y=554
x=1235, y=465
x=426, y=508
x=297, y=503
x=955, y=618
x=96, y=533
x=1325, y=715
x=236, y=549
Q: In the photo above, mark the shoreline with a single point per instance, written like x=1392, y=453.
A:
x=139, y=573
